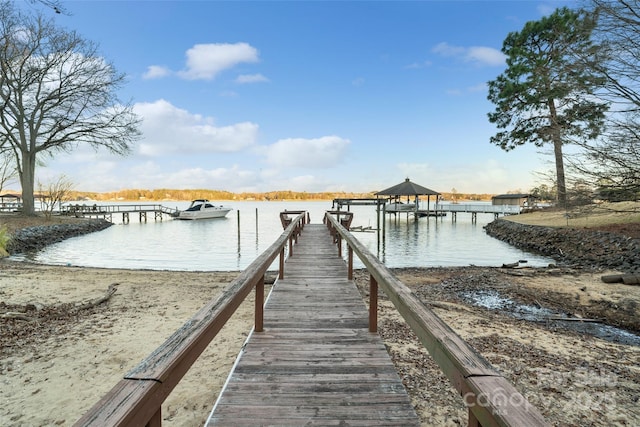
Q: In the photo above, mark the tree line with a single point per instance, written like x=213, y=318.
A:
x=190, y=194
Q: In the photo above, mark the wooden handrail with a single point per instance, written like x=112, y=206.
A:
x=491, y=399
x=136, y=400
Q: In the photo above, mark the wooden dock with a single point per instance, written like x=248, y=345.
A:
x=311, y=359
x=107, y=211
x=315, y=363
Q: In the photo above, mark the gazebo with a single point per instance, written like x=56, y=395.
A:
x=10, y=202
x=408, y=189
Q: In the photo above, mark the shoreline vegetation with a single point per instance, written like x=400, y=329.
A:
x=572, y=376
x=172, y=195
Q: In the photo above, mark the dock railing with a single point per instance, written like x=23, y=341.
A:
x=479, y=208
x=136, y=400
x=490, y=398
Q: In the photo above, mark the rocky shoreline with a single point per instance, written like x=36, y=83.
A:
x=572, y=246
x=35, y=238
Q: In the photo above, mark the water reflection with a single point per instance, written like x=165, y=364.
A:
x=492, y=300
x=232, y=243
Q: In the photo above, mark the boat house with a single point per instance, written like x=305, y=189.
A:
x=412, y=191
x=524, y=201
x=10, y=202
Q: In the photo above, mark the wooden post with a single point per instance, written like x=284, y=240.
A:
x=290, y=245
x=373, y=304
x=384, y=221
x=259, y=309
x=238, y=214
x=156, y=419
x=350, y=263
x=339, y=245
x=281, y=272
x=473, y=421
x=378, y=225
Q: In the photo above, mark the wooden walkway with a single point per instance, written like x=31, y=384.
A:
x=316, y=363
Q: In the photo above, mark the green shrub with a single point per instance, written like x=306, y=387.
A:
x=4, y=239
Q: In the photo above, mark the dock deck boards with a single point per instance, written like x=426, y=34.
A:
x=316, y=363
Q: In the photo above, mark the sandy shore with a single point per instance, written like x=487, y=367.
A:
x=57, y=372
x=52, y=372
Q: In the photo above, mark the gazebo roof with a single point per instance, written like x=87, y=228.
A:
x=407, y=188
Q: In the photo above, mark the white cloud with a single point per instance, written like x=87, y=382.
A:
x=205, y=61
x=251, y=78
x=480, y=87
x=167, y=129
x=220, y=178
x=485, y=55
x=488, y=176
x=419, y=65
x=316, y=153
x=156, y=72
x=546, y=9
x=479, y=55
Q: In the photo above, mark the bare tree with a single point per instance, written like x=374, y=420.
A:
x=7, y=169
x=54, y=5
x=56, y=93
x=54, y=193
x=613, y=161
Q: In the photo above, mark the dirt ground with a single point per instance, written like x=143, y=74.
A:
x=572, y=376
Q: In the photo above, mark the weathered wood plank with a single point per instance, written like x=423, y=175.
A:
x=315, y=363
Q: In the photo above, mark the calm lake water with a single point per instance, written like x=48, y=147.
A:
x=218, y=244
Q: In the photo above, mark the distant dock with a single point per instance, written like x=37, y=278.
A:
x=107, y=211
x=438, y=209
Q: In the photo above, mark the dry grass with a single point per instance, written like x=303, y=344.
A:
x=590, y=216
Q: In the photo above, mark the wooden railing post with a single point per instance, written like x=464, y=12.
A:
x=350, y=263
x=281, y=270
x=373, y=304
x=136, y=400
x=339, y=237
x=259, y=306
x=290, y=245
x=473, y=421
x=493, y=400
x=156, y=419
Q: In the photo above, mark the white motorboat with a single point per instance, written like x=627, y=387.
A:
x=202, y=209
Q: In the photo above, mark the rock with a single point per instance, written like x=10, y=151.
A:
x=35, y=238
x=571, y=246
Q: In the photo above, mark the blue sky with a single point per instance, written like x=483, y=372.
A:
x=305, y=96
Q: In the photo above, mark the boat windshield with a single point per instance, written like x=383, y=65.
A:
x=194, y=207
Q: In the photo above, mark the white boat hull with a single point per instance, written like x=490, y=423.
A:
x=203, y=209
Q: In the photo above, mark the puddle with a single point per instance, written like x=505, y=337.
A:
x=494, y=301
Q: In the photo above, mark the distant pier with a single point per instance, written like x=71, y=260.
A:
x=438, y=209
x=107, y=211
